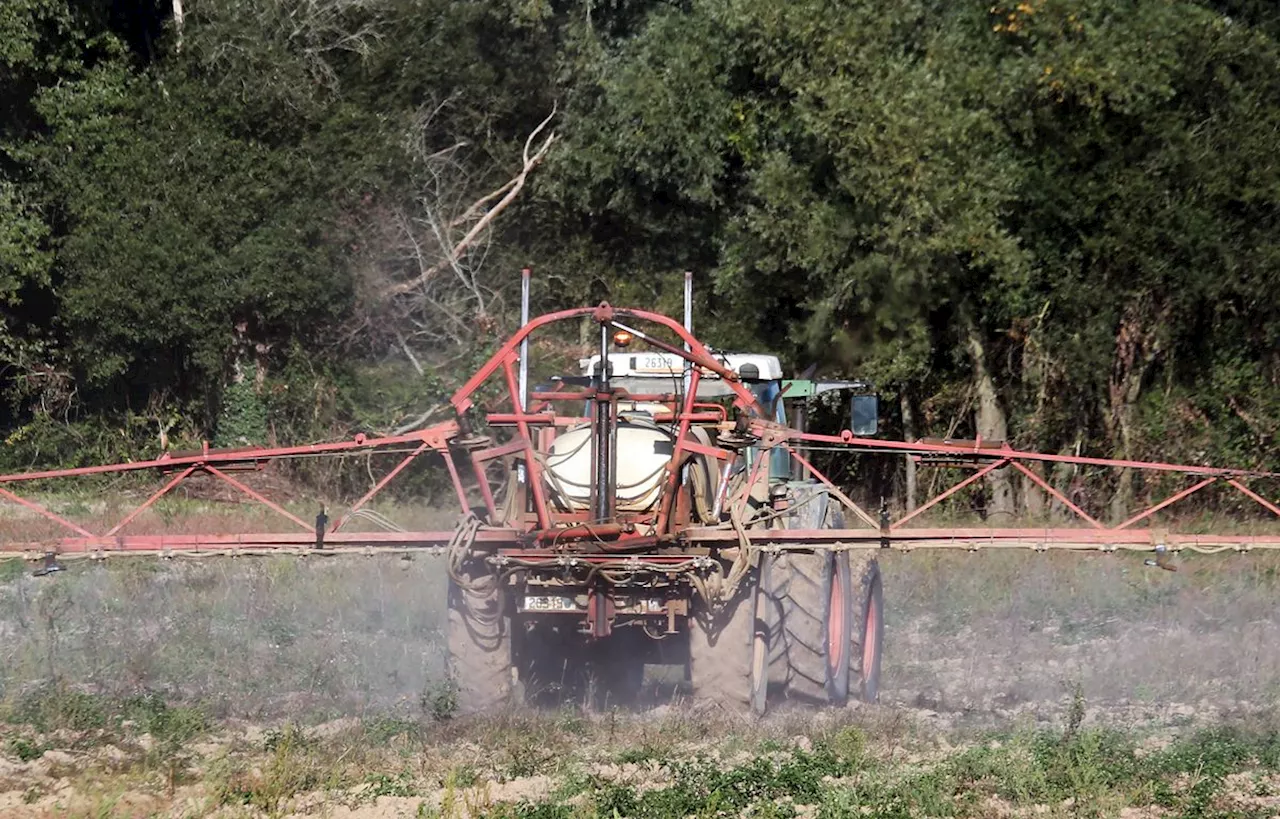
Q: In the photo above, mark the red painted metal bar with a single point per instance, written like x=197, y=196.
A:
x=702, y=449
x=160, y=493
x=873, y=445
x=258, y=497
x=482, y=479
x=623, y=395
x=1043, y=484
x=533, y=471
x=699, y=355
x=967, y=538
x=436, y=435
x=543, y=419
x=511, y=447
x=125, y=544
x=1047, y=537
x=762, y=461
x=40, y=510
x=456, y=478
x=544, y=554
x=377, y=487
x=677, y=453
x=547, y=419
x=920, y=510
x=1167, y=502
x=1275, y=510
x=845, y=499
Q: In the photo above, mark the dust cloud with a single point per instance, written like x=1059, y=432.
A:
x=996, y=637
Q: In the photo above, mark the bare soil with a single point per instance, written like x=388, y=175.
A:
x=350, y=651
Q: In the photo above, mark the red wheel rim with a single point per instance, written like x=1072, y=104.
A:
x=836, y=639
x=869, y=647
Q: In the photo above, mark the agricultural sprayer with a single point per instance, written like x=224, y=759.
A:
x=659, y=507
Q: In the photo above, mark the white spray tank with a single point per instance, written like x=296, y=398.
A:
x=644, y=449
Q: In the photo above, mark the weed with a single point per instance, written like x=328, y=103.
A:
x=526, y=755
x=169, y=725
x=381, y=784
x=290, y=770
x=25, y=749
x=705, y=787
x=382, y=729
x=848, y=744
x=289, y=737
x=638, y=755
x=11, y=569
x=463, y=776
x=571, y=784
x=440, y=700
x=54, y=706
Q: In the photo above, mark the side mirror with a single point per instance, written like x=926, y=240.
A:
x=864, y=415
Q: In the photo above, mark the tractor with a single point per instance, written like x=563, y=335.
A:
x=613, y=585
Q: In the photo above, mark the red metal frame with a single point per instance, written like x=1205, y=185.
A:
x=529, y=533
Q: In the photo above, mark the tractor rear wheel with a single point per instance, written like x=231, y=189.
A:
x=868, y=627
x=729, y=650
x=812, y=594
x=479, y=642
x=826, y=608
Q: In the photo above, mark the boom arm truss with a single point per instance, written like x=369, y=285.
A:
x=535, y=535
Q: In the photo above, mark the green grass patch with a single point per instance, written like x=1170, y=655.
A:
x=1093, y=772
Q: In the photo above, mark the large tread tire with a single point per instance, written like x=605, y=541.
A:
x=868, y=627
x=801, y=587
x=479, y=644
x=728, y=666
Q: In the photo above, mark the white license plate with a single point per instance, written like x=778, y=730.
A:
x=658, y=364
x=549, y=603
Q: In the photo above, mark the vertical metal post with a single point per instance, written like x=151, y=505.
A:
x=525, y=275
x=688, y=321
x=604, y=488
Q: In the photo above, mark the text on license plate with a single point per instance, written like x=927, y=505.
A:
x=549, y=603
x=658, y=364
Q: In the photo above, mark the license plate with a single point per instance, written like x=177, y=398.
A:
x=658, y=364
x=549, y=603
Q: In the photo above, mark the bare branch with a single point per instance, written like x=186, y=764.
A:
x=408, y=353
x=417, y=422
x=508, y=193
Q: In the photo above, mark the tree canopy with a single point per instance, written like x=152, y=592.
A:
x=1054, y=220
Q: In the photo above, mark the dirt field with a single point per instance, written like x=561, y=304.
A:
x=1014, y=685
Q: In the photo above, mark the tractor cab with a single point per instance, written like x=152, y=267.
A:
x=784, y=400
x=650, y=372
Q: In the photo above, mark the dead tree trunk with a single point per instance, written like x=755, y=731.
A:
x=1137, y=349
x=909, y=434
x=990, y=420
x=178, y=18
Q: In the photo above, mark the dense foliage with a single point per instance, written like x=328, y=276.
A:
x=1053, y=221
